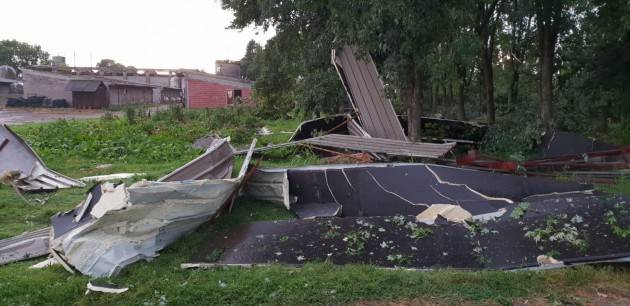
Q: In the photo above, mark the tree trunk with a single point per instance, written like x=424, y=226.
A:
x=488, y=84
x=546, y=83
x=416, y=107
x=513, y=96
x=413, y=94
x=461, y=110
x=548, y=20
x=487, y=20
x=451, y=97
x=434, y=99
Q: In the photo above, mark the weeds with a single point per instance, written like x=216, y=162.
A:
x=610, y=218
x=556, y=232
x=356, y=241
x=215, y=255
x=399, y=259
x=520, y=210
x=418, y=232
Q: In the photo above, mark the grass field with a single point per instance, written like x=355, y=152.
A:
x=75, y=148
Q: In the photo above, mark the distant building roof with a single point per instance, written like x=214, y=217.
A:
x=108, y=81
x=204, y=76
x=83, y=85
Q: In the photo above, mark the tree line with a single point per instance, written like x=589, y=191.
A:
x=535, y=64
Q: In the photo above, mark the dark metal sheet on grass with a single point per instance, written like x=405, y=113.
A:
x=381, y=145
x=367, y=94
x=573, y=230
x=389, y=189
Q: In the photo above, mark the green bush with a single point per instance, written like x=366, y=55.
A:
x=514, y=136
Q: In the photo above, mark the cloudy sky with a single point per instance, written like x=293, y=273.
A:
x=141, y=33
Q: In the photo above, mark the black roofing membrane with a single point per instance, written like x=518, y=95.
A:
x=410, y=189
x=571, y=228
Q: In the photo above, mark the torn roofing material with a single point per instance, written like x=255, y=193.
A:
x=560, y=143
x=576, y=230
x=26, y=246
x=389, y=189
x=118, y=225
x=216, y=163
x=380, y=145
x=17, y=156
x=367, y=94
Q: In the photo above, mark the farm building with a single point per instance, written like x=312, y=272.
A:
x=95, y=93
x=203, y=90
x=196, y=89
x=128, y=93
x=46, y=84
x=118, y=91
x=88, y=93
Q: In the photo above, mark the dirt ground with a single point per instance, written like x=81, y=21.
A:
x=15, y=116
x=39, y=115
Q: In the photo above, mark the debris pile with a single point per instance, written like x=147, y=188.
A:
x=117, y=225
x=566, y=230
x=414, y=215
x=564, y=154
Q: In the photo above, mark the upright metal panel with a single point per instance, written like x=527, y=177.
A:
x=367, y=93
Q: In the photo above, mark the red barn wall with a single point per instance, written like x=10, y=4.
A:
x=204, y=94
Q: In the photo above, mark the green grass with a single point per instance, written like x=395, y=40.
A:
x=162, y=281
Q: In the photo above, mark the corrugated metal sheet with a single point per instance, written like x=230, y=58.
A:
x=216, y=163
x=83, y=85
x=147, y=216
x=17, y=155
x=25, y=246
x=367, y=93
x=380, y=145
x=354, y=128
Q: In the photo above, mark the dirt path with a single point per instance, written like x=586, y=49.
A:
x=15, y=116
x=38, y=115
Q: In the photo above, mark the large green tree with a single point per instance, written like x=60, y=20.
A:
x=402, y=34
x=249, y=65
x=293, y=69
x=21, y=55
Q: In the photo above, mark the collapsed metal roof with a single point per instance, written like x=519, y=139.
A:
x=554, y=232
x=367, y=93
x=17, y=159
x=390, y=189
x=117, y=225
x=375, y=214
x=216, y=163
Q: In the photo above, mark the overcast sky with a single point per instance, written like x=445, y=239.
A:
x=141, y=33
